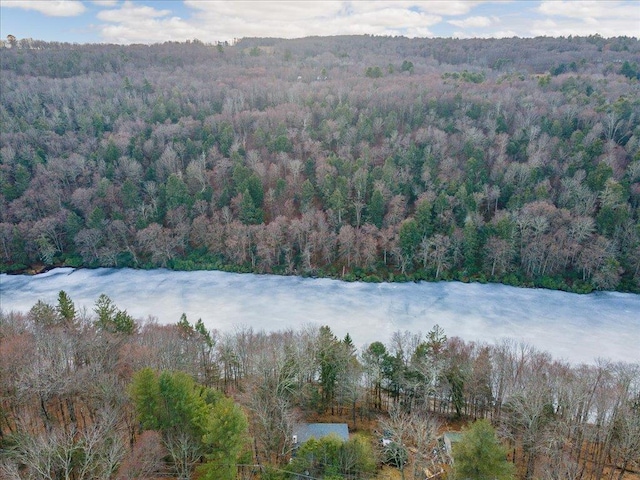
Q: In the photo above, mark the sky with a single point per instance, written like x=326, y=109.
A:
x=156, y=21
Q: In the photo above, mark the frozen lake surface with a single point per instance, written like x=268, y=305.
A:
x=578, y=328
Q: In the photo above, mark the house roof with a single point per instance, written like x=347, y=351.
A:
x=305, y=431
x=453, y=437
x=450, y=438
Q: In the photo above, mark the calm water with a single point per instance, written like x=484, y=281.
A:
x=579, y=328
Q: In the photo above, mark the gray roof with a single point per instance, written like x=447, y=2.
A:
x=450, y=438
x=453, y=436
x=305, y=431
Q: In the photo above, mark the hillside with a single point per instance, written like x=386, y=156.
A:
x=375, y=158
x=88, y=395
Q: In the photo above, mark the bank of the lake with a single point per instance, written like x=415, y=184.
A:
x=578, y=328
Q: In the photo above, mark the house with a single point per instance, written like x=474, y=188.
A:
x=304, y=431
x=450, y=438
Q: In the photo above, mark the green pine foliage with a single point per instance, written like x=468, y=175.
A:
x=479, y=455
x=212, y=427
x=111, y=319
x=331, y=457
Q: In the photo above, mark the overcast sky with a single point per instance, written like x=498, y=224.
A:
x=151, y=21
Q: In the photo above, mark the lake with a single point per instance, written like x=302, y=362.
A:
x=577, y=328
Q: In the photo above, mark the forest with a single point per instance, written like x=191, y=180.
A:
x=356, y=157
x=98, y=394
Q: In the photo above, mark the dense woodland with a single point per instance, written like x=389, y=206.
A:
x=88, y=395
x=374, y=158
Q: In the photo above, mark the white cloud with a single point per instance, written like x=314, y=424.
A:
x=583, y=9
x=471, y=22
x=212, y=20
x=483, y=27
x=296, y=19
x=133, y=23
x=51, y=8
x=607, y=18
x=433, y=7
x=491, y=34
x=501, y=34
x=225, y=20
x=280, y=11
x=131, y=13
x=105, y=3
x=559, y=27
